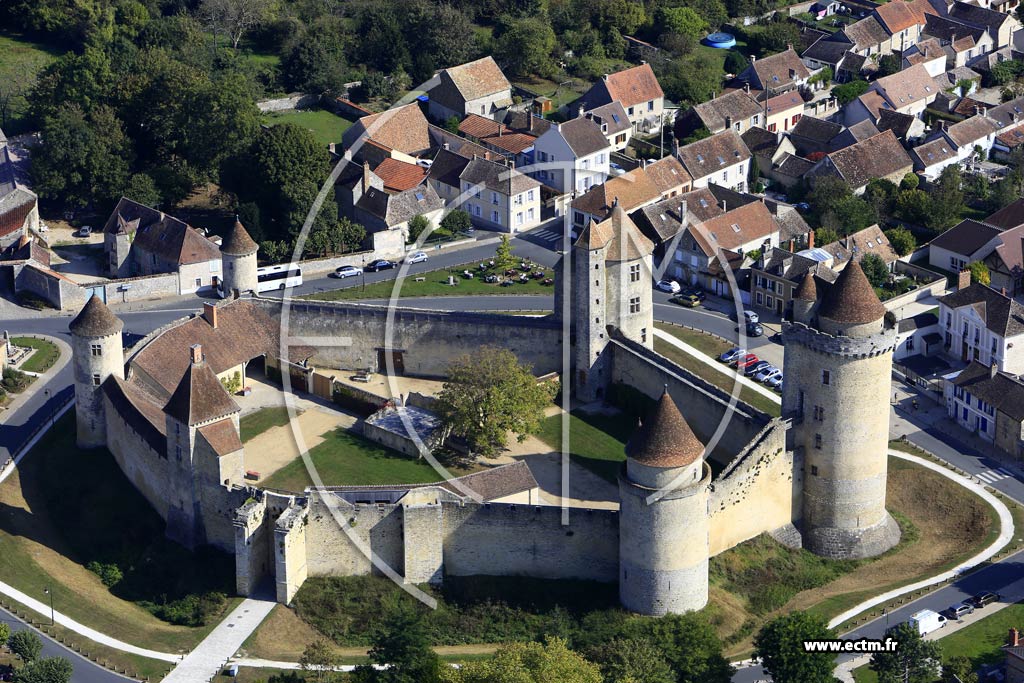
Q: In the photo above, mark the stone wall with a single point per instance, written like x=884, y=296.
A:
x=759, y=491
x=427, y=341
x=143, y=288
x=334, y=551
x=293, y=101
x=290, y=552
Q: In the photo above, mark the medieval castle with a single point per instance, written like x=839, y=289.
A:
x=816, y=476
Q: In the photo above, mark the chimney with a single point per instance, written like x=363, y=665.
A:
x=604, y=77
x=963, y=279
x=792, y=72
x=196, y=351
x=977, y=110
x=724, y=206
x=984, y=111
x=993, y=370
x=615, y=201
x=789, y=46
x=1014, y=639
x=1002, y=290
x=210, y=313
x=746, y=88
x=447, y=145
x=366, y=176
x=581, y=110
x=728, y=122
x=810, y=239
x=753, y=59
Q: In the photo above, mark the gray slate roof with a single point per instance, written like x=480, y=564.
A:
x=1002, y=315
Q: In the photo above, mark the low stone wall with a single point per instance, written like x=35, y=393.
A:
x=935, y=285
x=131, y=289
x=293, y=101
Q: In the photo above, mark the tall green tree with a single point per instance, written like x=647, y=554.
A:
x=25, y=645
x=315, y=60
x=528, y=663
x=503, y=257
x=946, y=199
x=318, y=659
x=418, y=224
x=488, y=394
x=526, y=47
x=915, y=660
x=402, y=644
x=456, y=221
x=875, y=269
x=902, y=240
x=635, y=660
x=980, y=273
x=690, y=644
x=779, y=645
x=959, y=669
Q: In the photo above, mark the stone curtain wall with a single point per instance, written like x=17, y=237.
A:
x=759, y=491
x=429, y=340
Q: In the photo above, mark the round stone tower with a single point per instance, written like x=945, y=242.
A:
x=804, y=299
x=97, y=353
x=838, y=373
x=238, y=257
x=663, y=543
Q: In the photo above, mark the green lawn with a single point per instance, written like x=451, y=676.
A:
x=45, y=355
x=22, y=60
x=325, y=126
x=435, y=283
x=254, y=424
x=348, y=458
x=596, y=442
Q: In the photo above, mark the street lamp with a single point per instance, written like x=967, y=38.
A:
x=50, y=593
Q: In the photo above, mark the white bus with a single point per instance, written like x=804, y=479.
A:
x=269, y=278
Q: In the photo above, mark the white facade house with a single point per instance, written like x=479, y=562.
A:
x=971, y=412
x=572, y=156
x=979, y=323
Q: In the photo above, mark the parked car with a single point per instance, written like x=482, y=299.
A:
x=982, y=599
x=346, y=271
x=668, y=286
x=751, y=317
x=776, y=383
x=730, y=355
x=84, y=231
x=746, y=361
x=765, y=372
x=755, y=368
x=926, y=621
x=378, y=265
x=694, y=291
x=43, y=227
x=802, y=206
x=416, y=257
x=754, y=330
x=690, y=301
x=955, y=612
x=774, y=379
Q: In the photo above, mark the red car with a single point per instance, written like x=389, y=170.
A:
x=746, y=361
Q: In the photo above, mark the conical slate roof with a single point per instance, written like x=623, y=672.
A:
x=200, y=397
x=808, y=289
x=664, y=439
x=851, y=299
x=238, y=242
x=95, y=320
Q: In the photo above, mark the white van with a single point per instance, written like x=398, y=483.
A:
x=927, y=621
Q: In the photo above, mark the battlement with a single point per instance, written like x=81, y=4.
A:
x=823, y=342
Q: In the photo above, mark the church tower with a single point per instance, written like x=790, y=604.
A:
x=97, y=353
x=238, y=254
x=663, y=543
x=838, y=372
x=610, y=288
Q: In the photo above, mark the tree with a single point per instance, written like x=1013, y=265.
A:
x=888, y=65
x=910, y=182
x=318, y=658
x=914, y=661
x=849, y=214
x=779, y=644
x=503, y=258
x=488, y=394
x=635, y=660
x=684, y=21
x=351, y=235
x=234, y=17
x=85, y=158
x=959, y=669
x=525, y=47
x=456, y=221
x=979, y=273
x=875, y=269
x=848, y=92
x=881, y=194
x=690, y=644
x=26, y=645
x=825, y=235
x=946, y=200
x=775, y=37
x=402, y=644
x=315, y=60
x=418, y=224
x=902, y=240
x=143, y=190
x=50, y=670
x=528, y=663
x=912, y=206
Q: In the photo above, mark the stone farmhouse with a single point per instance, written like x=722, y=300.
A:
x=637, y=90
x=473, y=88
x=173, y=429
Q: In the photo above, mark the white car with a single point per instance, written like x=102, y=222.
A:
x=751, y=317
x=416, y=257
x=84, y=231
x=670, y=286
x=346, y=271
x=765, y=372
x=43, y=227
x=769, y=377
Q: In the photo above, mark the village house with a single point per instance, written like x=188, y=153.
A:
x=615, y=124
x=962, y=42
x=736, y=110
x=639, y=92
x=722, y=159
x=866, y=37
x=19, y=206
x=477, y=87
x=646, y=184
x=778, y=274
x=784, y=111
x=400, y=133
x=498, y=197
x=966, y=242
x=927, y=52
x=811, y=135
x=138, y=240
x=880, y=156
x=578, y=142
x=903, y=21
x=980, y=323
x=909, y=92
x=999, y=25
x=931, y=157
x=775, y=74
x=664, y=222
x=989, y=403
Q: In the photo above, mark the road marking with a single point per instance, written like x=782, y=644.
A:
x=992, y=476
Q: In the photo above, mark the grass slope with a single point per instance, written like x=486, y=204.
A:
x=596, y=442
x=21, y=60
x=45, y=355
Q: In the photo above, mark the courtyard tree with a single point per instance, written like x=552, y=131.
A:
x=902, y=240
x=50, y=670
x=25, y=645
x=875, y=269
x=417, y=226
x=456, y=221
x=691, y=646
x=915, y=660
x=980, y=273
x=530, y=663
x=780, y=646
x=319, y=661
x=401, y=642
x=848, y=92
x=503, y=257
x=489, y=394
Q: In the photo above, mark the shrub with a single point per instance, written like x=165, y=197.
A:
x=232, y=384
x=192, y=610
x=110, y=574
x=15, y=380
x=26, y=645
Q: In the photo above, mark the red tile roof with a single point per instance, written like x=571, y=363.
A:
x=399, y=176
x=476, y=126
x=633, y=86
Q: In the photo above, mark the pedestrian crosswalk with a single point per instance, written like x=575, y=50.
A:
x=992, y=476
x=546, y=234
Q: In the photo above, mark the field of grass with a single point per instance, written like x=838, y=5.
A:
x=45, y=355
x=435, y=283
x=254, y=424
x=347, y=458
x=22, y=61
x=596, y=442
x=325, y=126
x=64, y=508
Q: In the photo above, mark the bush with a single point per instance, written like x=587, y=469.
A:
x=192, y=610
x=15, y=381
x=110, y=574
x=32, y=301
x=26, y=645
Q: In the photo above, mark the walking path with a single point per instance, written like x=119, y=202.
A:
x=210, y=656
x=707, y=360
